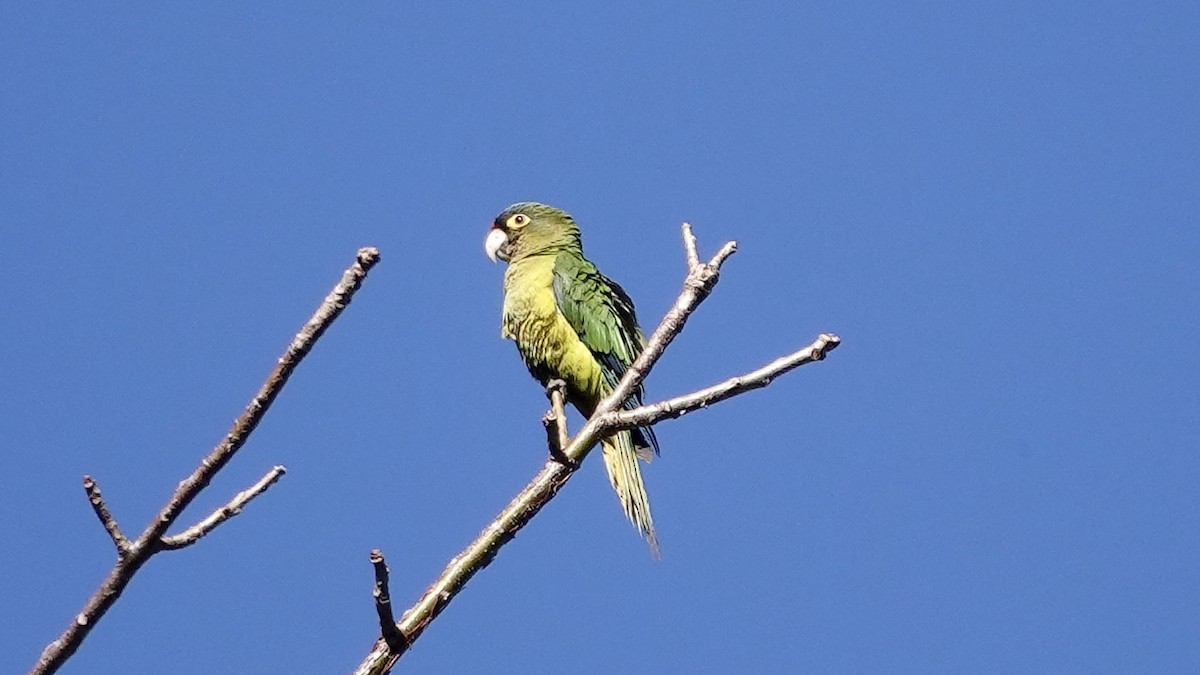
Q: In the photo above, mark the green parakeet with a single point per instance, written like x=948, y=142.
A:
x=572, y=323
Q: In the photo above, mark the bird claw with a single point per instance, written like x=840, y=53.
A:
x=561, y=457
x=555, y=385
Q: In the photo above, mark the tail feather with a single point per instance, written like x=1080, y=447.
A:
x=621, y=460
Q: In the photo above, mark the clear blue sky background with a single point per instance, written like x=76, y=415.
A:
x=994, y=204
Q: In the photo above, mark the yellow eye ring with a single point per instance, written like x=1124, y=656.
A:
x=518, y=221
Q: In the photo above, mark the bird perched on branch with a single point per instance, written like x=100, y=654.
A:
x=574, y=324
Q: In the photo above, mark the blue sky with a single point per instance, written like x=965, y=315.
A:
x=993, y=204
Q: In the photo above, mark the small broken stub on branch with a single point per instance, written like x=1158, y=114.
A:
x=383, y=604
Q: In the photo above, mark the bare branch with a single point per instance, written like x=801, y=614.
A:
x=106, y=518
x=192, y=534
x=148, y=542
x=383, y=604
x=675, y=407
x=701, y=279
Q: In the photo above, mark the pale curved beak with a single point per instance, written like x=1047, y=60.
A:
x=495, y=241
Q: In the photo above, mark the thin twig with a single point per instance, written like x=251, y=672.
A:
x=383, y=604
x=756, y=379
x=192, y=534
x=106, y=518
x=149, y=541
x=554, y=474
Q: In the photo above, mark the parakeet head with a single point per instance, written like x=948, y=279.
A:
x=530, y=228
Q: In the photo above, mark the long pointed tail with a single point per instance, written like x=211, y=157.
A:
x=621, y=461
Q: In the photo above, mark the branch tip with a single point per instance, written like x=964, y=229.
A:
x=689, y=247
x=383, y=604
x=825, y=343
x=367, y=257
x=96, y=499
x=727, y=250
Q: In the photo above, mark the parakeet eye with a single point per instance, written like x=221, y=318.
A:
x=518, y=221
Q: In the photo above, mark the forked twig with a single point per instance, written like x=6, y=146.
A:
x=132, y=555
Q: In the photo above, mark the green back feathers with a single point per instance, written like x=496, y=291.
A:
x=597, y=308
x=602, y=314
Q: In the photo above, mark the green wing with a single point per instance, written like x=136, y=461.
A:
x=602, y=315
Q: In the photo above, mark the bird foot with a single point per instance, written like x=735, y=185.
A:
x=555, y=421
x=555, y=385
x=555, y=439
x=561, y=457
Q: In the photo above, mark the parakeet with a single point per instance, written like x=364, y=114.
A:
x=572, y=323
